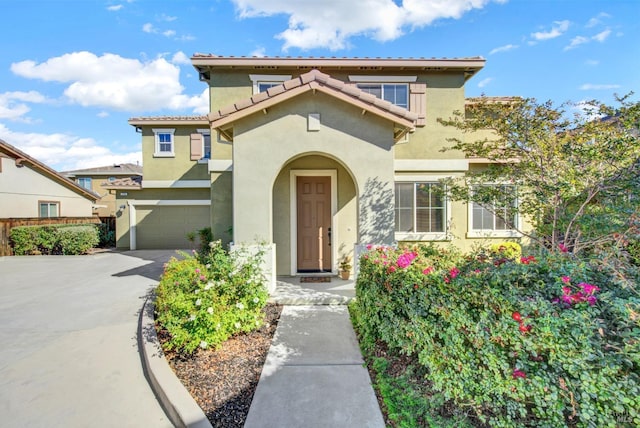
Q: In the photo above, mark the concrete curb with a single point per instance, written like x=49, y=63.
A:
x=176, y=401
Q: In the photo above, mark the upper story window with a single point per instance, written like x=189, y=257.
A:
x=206, y=143
x=164, y=142
x=420, y=208
x=85, y=182
x=262, y=82
x=49, y=209
x=497, y=218
x=395, y=93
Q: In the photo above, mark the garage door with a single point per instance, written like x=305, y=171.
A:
x=166, y=227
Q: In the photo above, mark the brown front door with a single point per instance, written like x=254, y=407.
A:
x=314, y=224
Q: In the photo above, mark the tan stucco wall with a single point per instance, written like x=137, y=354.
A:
x=265, y=144
x=180, y=167
x=21, y=188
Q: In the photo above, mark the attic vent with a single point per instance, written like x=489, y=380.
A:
x=370, y=68
x=264, y=67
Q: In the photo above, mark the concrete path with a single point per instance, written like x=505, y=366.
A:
x=314, y=374
x=69, y=354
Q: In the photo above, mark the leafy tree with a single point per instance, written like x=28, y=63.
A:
x=577, y=176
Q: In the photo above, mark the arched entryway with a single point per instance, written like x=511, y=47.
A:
x=315, y=221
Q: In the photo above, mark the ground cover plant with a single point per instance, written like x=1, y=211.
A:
x=205, y=298
x=545, y=339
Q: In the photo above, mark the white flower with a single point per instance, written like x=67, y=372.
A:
x=210, y=310
x=196, y=292
x=239, y=305
x=203, y=344
x=208, y=286
x=256, y=300
x=237, y=325
x=198, y=302
x=218, y=326
x=258, y=323
x=208, y=266
x=192, y=318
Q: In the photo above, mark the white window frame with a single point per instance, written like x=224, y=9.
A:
x=82, y=180
x=48, y=204
x=386, y=80
x=157, y=153
x=275, y=79
x=205, y=132
x=492, y=233
x=426, y=236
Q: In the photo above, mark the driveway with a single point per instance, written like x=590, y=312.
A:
x=68, y=349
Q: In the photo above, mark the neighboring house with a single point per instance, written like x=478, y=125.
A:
x=95, y=180
x=30, y=189
x=313, y=156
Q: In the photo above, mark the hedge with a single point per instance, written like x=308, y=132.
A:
x=54, y=239
x=544, y=340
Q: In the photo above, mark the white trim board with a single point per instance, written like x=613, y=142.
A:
x=428, y=165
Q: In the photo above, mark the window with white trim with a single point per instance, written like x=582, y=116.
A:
x=85, y=182
x=262, y=82
x=420, y=208
x=395, y=93
x=498, y=217
x=206, y=143
x=164, y=142
x=49, y=209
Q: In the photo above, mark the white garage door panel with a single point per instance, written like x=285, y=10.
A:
x=162, y=227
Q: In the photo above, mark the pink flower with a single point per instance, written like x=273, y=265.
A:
x=454, y=272
x=518, y=374
x=588, y=288
x=197, y=270
x=566, y=291
x=527, y=260
x=405, y=259
x=202, y=277
x=563, y=248
x=428, y=270
x=566, y=279
x=592, y=300
x=391, y=269
x=369, y=246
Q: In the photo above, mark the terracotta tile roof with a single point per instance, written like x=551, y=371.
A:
x=133, y=183
x=118, y=169
x=168, y=120
x=314, y=79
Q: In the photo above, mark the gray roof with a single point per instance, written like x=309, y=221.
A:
x=117, y=169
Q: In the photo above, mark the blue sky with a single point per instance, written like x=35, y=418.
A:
x=73, y=71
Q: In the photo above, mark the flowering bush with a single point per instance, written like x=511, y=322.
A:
x=203, y=300
x=518, y=343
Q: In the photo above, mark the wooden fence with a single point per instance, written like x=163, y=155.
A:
x=6, y=224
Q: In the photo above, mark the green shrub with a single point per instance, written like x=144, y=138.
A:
x=204, y=300
x=534, y=343
x=54, y=239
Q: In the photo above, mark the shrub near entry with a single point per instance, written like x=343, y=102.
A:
x=550, y=342
x=204, y=300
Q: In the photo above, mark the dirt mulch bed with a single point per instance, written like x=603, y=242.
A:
x=223, y=381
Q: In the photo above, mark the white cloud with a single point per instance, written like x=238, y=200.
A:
x=259, y=52
x=597, y=87
x=484, y=82
x=558, y=29
x=504, y=48
x=167, y=18
x=602, y=36
x=13, y=104
x=148, y=28
x=169, y=33
x=592, y=62
x=113, y=82
x=180, y=58
x=575, y=42
x=64, y=152
x=103, y=114
x=597, y=19
x=331, y=23
x=115, y=8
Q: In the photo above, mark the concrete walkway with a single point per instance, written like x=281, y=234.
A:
x=69, y=354
x=314, y=374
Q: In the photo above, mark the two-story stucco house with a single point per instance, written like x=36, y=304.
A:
x=312, y=155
